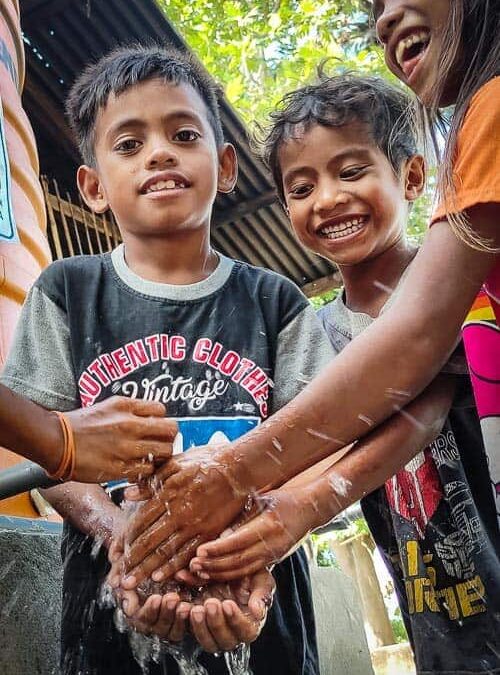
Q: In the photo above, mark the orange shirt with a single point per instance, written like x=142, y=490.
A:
x=476, y=167
x=476, y=175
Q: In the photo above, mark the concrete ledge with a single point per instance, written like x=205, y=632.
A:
x=30, y=596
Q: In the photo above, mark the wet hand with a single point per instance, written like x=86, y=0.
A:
x=282, y=518
x=120, y=438
x=228, y=615
x=194, y=499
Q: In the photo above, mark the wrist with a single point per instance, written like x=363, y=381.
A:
x=48, y=447
x=320, y=501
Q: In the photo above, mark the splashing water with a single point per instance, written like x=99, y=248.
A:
x=147, y=649
x=339, y=484
x=238, y=660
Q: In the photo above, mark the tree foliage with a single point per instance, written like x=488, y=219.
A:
x=259, y=50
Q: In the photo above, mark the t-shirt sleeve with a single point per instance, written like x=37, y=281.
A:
x=39, y=364
x=303, y=350
x=476, y=174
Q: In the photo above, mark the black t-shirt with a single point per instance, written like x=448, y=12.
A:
x=435, y=525
x=222, y=355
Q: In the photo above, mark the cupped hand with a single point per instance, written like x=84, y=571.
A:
x=195, y=498
x=283, y=518
x=120, y=438
x=228, y=615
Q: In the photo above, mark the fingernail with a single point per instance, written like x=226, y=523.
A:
x=195, y=566
x=157, y=576
x=203, y=575
x=212, y=609
x=129, y=581
x=198, y=617
x=171, y=604
x=228, y=609
x=125, y=606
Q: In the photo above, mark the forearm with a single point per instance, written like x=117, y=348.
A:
x=30, y=430
x=86, y=507
x=378, y=456
x=379, y=372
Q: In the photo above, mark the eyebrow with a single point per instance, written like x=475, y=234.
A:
x=359, y=152
x=138, y=122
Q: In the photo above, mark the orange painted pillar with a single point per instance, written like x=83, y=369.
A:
x=21, y=261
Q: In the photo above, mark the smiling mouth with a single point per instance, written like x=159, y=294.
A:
x=410, y=51
x=165, y=185
x=342, y=229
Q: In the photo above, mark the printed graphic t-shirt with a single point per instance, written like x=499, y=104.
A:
x=222, y=355
x=477, y=181
x=434, y=523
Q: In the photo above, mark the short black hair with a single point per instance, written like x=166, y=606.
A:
x=125, y=67
x=339, y=100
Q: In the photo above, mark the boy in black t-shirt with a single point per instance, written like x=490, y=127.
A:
x=345, y=163
x=164, y=317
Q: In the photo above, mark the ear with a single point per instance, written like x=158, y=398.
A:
x=228, y=168
x=414, y=177
x=91, y=189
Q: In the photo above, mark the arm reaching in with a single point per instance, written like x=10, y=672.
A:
x=285, y=516
x=376, y=375
x=119, y=437
x=89, y=509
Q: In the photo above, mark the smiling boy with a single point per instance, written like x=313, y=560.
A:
x=163, y=316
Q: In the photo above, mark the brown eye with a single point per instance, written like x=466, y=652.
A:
x=352, y=172
x=187, y=135
x=128, y=145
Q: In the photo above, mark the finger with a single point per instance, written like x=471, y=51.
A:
x=153, y=563
x=148, y=522
x=216, y=622
x=129, y=601
x=236, y=573
x=208, y=566
x=200, y=630
x=242, y=626
x=139, y=493
x=184, y=576
x=180, y=622
x=166, y=617
x=156, y=429
x=143, y=408
x=179, y=558
x=150, y=610
x=261, y=596
x=246, y=536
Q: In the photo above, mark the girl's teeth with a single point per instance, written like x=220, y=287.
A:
x=407, y=42
x=170, y=184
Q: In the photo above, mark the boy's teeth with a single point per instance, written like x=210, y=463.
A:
x=342, y=229
x=422, y=37
x=165, y=185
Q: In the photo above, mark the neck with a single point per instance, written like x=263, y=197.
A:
x=182, y=259
x=369, y=284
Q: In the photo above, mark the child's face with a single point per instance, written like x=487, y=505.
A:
x=411, y=32
x=157, y=165
x=344, y=200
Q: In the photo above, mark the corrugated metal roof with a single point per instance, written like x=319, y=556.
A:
x=62, y=36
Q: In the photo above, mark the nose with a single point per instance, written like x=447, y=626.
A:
x=161, y=154
x=329, y=195
x=387, y=21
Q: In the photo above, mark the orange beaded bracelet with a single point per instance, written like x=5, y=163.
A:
x=66, y=468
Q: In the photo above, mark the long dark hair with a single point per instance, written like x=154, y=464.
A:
x=471, y=43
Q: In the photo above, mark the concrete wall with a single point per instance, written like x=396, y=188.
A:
x=339, y=624
x=30, y=596
x=30, y=606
